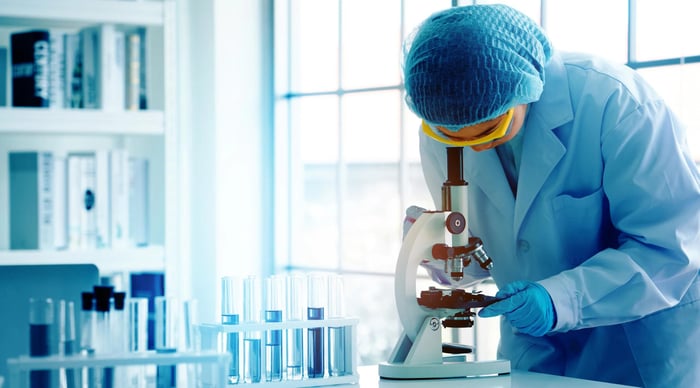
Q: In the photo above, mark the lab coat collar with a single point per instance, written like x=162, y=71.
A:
x=541, y=150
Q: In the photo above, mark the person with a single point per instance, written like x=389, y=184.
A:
x=582, y=188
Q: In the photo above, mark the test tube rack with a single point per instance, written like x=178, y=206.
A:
x=350, y=347
x=20, y=367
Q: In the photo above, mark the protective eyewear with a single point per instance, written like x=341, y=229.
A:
x=498, y=132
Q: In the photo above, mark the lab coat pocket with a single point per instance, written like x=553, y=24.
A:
x=579, y=223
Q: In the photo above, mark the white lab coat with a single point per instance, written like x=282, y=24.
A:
x=606, y=218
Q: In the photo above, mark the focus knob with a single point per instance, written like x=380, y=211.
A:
x=455, y=223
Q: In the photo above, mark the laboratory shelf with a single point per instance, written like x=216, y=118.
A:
x=80, y=121
x=26, y=363
x=142, y=259
x=16, y=366
x=35, y=13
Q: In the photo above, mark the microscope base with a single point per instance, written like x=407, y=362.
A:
x=447, y=369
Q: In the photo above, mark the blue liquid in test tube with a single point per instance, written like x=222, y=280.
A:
x=315, y=368
x=252, y=357
x=273, y=347
x=317, y=297
x=274, y=303
x=230, y=294
x=336, y=334
x=253, y=360
x=296, y=298
x=40, y=323
x=232, y=346
x=295, y=354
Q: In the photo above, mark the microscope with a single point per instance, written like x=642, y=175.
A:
x=418, y=354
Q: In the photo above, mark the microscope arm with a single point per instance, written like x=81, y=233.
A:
x=417, y=246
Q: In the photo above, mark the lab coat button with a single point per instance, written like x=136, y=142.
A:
x=523, y=245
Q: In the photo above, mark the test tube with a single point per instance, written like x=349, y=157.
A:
x=66, y=342
x=296, y=295
x=210, y=374
x=118, y=323
x=190, y=321
x=87, y=323
x=118, y=335
x=336, y=334
x=192, y=372
x=138, y=325
x=274, y=303
x=230, y=308
x=137, y=339
x=317, y=299
x=166, y=323
x=40, y=322
x=252, y=357
x=167, y=314
x=88, y=320
x=103, y=299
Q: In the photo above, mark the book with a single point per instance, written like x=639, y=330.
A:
x=119, y=194
x=82, y=213
x=114, y=64
x=102, y=198
x=144, y=102
x=57, y=72
x=88, y=211
x=60, y=202
x=3, y=76
x=31, y=196
x=91, y=67
x=73, y=67
x=104, y=70
x=29, y=52
x=133, y=71
x=138, y=201
x=148, y=285
x=74, y=200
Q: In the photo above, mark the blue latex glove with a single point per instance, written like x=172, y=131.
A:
x=412, y=214
x=526, y=305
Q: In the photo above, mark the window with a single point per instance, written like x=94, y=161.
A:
x=347, y=150
x=663, y=50
x=346, y=146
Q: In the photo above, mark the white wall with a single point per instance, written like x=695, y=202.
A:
x=222, y=118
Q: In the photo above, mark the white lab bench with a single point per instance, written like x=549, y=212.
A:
x=369, y=378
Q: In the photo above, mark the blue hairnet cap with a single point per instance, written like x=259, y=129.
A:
x=470, y=64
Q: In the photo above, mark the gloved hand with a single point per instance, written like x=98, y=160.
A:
x=526, y=305
x=412, y=214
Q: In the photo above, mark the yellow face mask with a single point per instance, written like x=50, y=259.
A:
x=497, y=133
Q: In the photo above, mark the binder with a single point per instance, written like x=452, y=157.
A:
x=31, y=200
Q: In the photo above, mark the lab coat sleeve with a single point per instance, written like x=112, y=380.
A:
x=651, y=184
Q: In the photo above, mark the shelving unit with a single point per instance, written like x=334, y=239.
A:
x=74, y=121
x=18, y=367
x=50, y=13
x=151, y=133
x=147, y=259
